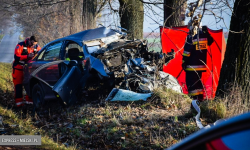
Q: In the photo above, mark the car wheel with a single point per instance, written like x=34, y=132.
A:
x=37, y=96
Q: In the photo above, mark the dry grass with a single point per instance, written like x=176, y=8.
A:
x=170, y=99
x=15, y=122
x=157, y=123
x=231, y=104
x=17, y=125
x=5, y=77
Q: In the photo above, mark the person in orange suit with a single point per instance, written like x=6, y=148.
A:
x=24, y=51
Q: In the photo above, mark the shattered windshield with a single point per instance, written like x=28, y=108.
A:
x=93, y=49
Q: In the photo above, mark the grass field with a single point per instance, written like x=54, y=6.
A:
x=16, y=122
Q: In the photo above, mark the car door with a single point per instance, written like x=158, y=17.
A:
x=50, y=53
x=72, y=78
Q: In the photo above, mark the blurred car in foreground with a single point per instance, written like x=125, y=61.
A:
x=231, y=134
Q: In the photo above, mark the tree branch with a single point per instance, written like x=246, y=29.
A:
x=154, y=3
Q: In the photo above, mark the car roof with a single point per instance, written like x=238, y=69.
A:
x=88, y=35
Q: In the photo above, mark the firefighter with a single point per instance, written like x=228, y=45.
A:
x=24, y=51
x=195, y=58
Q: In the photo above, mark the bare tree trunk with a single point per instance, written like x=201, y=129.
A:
x=177, y=9
x=89, y=14
x=236, y=64
x=75, y=18
x=131, y=17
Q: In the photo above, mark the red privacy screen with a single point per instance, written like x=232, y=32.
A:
x=174, y=38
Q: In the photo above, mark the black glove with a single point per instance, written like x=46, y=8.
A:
x=30, y=56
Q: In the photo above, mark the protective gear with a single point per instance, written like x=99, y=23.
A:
x=194, y=84
x=195, y=51
x=17, y=80
x=175, y=38
x=22, y=54
x=194, y=62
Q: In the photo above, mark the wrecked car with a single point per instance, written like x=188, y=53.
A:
x=66, y=67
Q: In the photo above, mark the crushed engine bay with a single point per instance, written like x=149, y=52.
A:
x=135, y=69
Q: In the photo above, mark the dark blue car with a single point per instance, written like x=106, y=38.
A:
x=65, y=67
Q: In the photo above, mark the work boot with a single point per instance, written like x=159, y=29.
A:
x=19, y=102
x=28, y=100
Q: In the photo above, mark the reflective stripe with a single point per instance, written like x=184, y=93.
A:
x=185, y=53
x=29, y=102
x=200, y=39
x=19, y=103
x=196, y=69
x=195, y=92
x=196, y=66
x=22, y=62
x=200, y=42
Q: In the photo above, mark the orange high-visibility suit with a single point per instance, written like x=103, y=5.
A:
x=20, y=57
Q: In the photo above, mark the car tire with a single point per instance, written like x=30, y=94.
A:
x=37, y=96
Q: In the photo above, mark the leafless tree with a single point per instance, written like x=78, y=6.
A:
x=5, y=17
x=52, y=19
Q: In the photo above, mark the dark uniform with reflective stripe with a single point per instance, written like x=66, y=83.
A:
x=20, y=57
x=194, y=62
